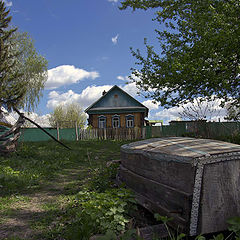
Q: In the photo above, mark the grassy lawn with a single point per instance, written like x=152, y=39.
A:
x=48, y=192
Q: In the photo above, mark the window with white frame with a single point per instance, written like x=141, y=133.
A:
x=116, y=121
x=129, y=121
x=102, y=122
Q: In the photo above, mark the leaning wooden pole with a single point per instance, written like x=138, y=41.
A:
x=8, y=142
x=21, y=114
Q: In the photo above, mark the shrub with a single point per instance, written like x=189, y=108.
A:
x=91, y=212
x=103, y=178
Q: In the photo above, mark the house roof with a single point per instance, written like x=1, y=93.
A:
x=131, y=104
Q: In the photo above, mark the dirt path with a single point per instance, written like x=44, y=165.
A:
x=20, y=219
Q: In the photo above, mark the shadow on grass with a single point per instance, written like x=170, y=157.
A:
x=26, y=224
x=46, y=173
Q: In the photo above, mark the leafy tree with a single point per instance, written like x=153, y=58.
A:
x=66, y=116
x=200, y=54
x=233, y=112
x=10, y=89
x=23, y=71
x=32, y=67
x=200, y=109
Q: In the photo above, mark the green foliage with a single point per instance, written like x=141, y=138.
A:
x=197, y=58
x=165, y=220
x=200, y=237
x=10, y=91
x=233, y=222
x=111, y=235
x=66, y=116
x=31, y=164
x=8, y=201
x=32, y=67
x=91, y=212
x=41, y=161
x=235, y=226
x=233, y=112
x=107, y=210
x=37, y=166
x=14, y=238
x=23, y=72
x=102, y=177
x=74, y=215
x=11, y=180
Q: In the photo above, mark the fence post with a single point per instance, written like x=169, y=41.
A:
x=143, y=136
x=148, y=131
x=76, y=130
x=58, y=135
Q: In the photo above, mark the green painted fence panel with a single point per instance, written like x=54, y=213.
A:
x=67, y=134
x=37, y=135
x=148, y=131
x=168, y=131
x=200, y=129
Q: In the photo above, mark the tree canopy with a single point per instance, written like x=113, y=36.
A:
x=201, y=109
x=233, y=112
x=200, y=51
x=32, y=67
x=23, y=71
x=10, y=92
x=66, y=116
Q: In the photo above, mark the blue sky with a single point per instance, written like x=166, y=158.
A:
x=87, y=45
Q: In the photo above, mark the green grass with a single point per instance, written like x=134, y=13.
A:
x=37, y=162
x=48, y=192
x=40, y=182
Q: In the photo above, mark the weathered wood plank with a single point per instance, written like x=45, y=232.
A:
x=179, y=148
x=153, y=232
x=13, y=129
x=174, y=174
x=173, y=201
x=220, y=195
x=199, y=176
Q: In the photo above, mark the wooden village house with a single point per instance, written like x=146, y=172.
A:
x=116, y=109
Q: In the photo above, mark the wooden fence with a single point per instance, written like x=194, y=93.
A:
x=112, y=133
x=203, y=130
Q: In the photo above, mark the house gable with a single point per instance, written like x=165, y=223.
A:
x=116, y=100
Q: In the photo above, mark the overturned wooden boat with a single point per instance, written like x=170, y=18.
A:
x=195, y=181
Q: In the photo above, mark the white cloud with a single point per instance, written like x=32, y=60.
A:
x=92, y=93
x=213, y=112
x=114, y=1
x=131, y=89
x=122, y=78
x=7, y=117
x=8, y=3
x=127, y=78
x=42, y=120
x=88, y=96
x=167, y=115
x=130, y=78
x=67, y=74
x=12, y=117
x=150, y=105
x=115, y=39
